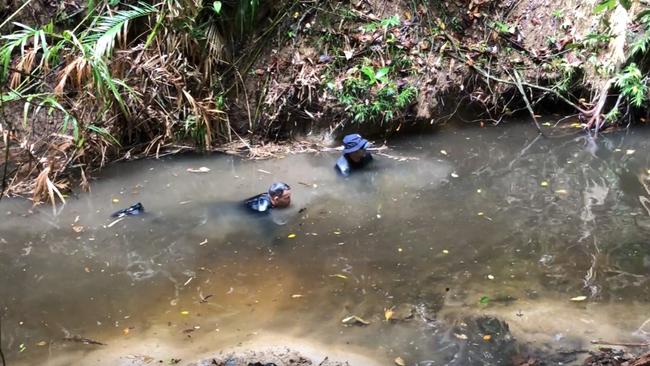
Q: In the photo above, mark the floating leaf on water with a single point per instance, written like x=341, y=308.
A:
x=487, y=337
x=340, y=276
x=399, y=362
x=296, y=296
x=443, y=152
x=630, y=152
x=199, y=170
x=126, y=331
x=291, y=236
x=41, y=343
x=484, y=300
x=388, y=313
x=354, y=320
x=460, y=336
x=579, y=298
x=185, y=312
x=544, y=184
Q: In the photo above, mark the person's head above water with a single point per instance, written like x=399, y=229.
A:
x=280, y=194
x=354, y=146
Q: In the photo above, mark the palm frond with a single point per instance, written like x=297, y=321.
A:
x=22, y=40
x=104, y=35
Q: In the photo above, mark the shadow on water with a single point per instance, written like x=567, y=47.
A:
x=521, y=222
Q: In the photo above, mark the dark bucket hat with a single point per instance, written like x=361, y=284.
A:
x=354, y=142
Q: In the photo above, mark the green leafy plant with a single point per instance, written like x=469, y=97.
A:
x=633, y=84
x=484, y=300
x=370, y=95
x=386, y=23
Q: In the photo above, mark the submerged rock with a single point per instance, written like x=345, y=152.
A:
x=272, y=357
x=482, y=341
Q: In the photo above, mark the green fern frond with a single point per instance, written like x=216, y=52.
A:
x=640, y=44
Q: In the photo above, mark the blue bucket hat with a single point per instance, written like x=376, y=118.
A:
x=354, y=142
x=276, y=189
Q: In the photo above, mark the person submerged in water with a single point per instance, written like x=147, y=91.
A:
x=278, y=196
x=355, y=155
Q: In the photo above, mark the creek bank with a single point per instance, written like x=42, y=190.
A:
x=368, y=66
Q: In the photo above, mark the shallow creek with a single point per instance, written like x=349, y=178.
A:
x=469, y=222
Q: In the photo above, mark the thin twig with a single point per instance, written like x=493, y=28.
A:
x=15, y=13
x=2, y=355
x=6, y=138
x=605, y=343
x=523, y=95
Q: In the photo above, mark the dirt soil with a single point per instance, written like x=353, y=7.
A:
x=278, y=357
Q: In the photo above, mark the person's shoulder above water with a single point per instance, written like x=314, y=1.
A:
x=342, y=166
x=278, y=196
x=259, y=203
x=355, y=155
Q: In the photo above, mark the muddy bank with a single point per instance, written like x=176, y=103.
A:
x=298, y=69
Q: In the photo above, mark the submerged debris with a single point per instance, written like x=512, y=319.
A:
x=80, y=339
x=354, y=320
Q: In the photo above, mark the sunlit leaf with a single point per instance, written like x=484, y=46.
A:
x=216, y=6
x=388, y=314
x=354, y=320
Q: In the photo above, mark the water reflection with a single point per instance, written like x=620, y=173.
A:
x=523, y=221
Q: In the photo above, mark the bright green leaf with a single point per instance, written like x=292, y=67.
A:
x=216, y=6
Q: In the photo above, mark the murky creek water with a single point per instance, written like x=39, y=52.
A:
x=521, y=222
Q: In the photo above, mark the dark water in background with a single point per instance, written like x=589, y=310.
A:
x=526, y=222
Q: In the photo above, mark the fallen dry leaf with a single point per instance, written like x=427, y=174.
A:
x=388, y=313
x=199, y=170
x=399, y=362
x=354, y=320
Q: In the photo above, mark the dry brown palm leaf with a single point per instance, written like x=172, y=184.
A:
x=44, y=189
